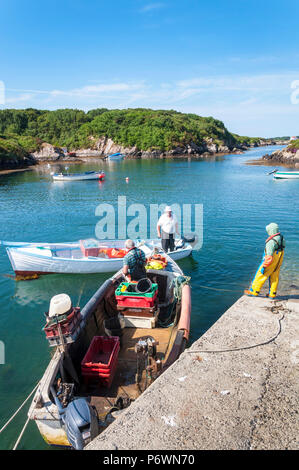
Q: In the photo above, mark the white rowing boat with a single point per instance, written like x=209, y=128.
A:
x=85, y=256
x=286, y=175
x=88, y=175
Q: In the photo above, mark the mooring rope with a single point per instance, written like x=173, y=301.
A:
x=21, y=435
x=220, y=290
x=242, y=347
x=16, y=412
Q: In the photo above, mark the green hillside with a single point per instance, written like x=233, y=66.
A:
x=22, y=131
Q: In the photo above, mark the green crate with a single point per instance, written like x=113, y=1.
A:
x=135, y=294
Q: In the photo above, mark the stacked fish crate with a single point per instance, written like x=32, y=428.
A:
x=140, y=310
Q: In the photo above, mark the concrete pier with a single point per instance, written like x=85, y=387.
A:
x=244, y=398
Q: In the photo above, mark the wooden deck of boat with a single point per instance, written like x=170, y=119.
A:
x=124, y=380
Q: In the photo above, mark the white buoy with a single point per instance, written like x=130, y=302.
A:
x=127, y=179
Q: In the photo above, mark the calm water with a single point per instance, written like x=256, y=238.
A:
x=239, y=201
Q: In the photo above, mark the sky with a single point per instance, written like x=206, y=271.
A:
x=235, y=60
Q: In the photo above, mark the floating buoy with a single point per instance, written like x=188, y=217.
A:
x=127, y=179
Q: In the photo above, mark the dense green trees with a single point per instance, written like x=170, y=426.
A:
x=145, y=129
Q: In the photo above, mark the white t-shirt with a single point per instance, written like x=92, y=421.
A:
x=167, y=224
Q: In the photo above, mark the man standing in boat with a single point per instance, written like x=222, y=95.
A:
x=270, y=265
x=167, y=226
x=134, y=262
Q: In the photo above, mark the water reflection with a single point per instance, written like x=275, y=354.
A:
x=40, y=291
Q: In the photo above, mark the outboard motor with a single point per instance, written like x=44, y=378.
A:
x=79, y=421
x=190, y=238
x=179, y=244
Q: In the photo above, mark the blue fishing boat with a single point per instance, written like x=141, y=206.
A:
x=116, y=156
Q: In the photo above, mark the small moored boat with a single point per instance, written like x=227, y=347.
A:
x=107, y=354
x=286, y=175
x=85, y=256
x=88, y=175
x=115, y=157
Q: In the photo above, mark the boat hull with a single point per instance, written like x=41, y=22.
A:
x=52, y=432
x=27, y=261
x=25, y=264
x=77, y=177
x=286, y=175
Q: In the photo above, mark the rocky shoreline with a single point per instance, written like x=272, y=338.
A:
x=287, y=156
x=104, y=146
x=100, y=148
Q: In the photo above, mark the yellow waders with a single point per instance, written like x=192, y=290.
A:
x=271, y=272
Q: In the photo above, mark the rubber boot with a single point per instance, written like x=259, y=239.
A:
x=251, y=293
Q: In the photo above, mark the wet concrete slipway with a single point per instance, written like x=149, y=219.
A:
x=236, y=387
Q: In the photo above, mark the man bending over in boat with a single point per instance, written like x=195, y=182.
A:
x=270, y=265
x=134, y=262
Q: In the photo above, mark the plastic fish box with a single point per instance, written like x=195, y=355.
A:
x=140, y=322
x=67, y=326
x=99, y=368
x=139, y=312
x=132, y=301
x=69, y=338
x=100, y=361
x=89, y=250
x=103, y=380
x=127, y=293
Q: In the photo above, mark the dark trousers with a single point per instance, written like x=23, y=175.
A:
x=167, y=241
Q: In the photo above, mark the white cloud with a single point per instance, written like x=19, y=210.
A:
x=152, y=6
x=259, y=83
x=100, y=89
x=18, y=99
x=255, y=101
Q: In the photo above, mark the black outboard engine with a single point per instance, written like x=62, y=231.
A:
x=80, y=422
x=179, y=244
x=190, y=238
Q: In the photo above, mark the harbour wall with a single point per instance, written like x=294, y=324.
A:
x=235, y=388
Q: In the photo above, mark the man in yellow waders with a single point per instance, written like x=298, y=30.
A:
x=270, y=265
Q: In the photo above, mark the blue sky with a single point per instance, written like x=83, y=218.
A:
x=233, y=60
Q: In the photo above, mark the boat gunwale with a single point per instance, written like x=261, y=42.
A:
x=36, y=413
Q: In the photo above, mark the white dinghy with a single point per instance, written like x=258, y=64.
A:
x=85, y=256
x=88, y=175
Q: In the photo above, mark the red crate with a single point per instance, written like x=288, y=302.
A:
x=67, y=326
x=100, y=376
x=104, y=380
x=100, y=361
x=131, y=301
x=94, y=369
x=139, y=311
x=89, y=251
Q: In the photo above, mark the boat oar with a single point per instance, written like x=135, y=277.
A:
x=273, y=171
